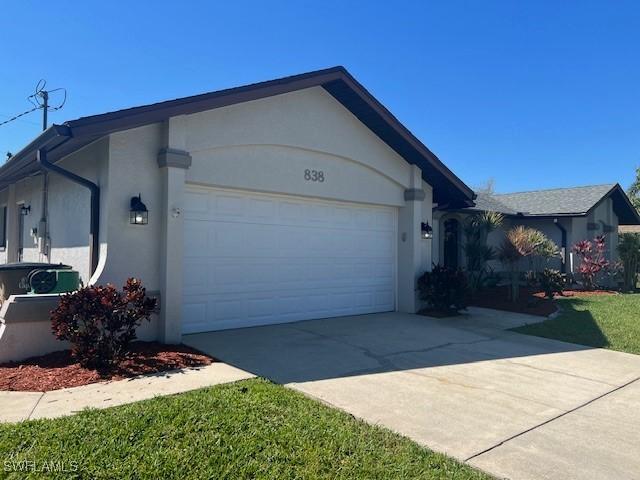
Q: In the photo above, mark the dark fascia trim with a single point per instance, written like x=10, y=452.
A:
x=96, y=126
x=407, y=135
x=146, y=114
x=634, y=217
x=52, y=138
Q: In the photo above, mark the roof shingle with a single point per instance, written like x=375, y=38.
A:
x=557, y=201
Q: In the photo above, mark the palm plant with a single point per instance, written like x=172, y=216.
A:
x=477, y=228
x=523, y=242
x=629, y=251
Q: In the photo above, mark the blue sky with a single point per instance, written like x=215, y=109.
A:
x=534, y=94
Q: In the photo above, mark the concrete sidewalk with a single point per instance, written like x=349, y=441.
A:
x=17, y=406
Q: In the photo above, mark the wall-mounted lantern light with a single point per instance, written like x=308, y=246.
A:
x=426, y=230
x=25, y=209
x=138, y=213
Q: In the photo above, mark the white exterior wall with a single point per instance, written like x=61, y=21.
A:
x=428, y=245
x=132, y=250
x=264, y=146
x=602, y=215
x=69, y=209
x=4, y=198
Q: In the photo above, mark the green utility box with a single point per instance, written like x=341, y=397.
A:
x=53, y=281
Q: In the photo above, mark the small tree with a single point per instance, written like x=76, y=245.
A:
x=477, y=228
x=634, y=191
x=629, y=251
x=100, y=321
x=522, y=242
x=593, y=260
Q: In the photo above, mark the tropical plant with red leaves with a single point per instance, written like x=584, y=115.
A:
x=100, y=322
x=593, y=260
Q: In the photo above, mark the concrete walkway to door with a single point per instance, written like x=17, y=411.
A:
x=513, y=405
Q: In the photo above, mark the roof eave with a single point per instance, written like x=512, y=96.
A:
x=372, y=113
x=47, y=140
x=634, y=216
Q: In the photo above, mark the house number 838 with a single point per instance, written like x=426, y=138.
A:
x=314, y=175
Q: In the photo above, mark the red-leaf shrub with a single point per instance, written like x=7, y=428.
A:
x=592, y=260
x=100, y=322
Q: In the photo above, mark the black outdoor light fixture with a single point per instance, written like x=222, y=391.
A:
x=25, y=209
x=426, y=230
x=138, y=213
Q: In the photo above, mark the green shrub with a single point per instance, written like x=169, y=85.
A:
x=629, y=250
x=443, y=289
x=552, y=282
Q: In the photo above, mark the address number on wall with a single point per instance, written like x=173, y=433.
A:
x=314, y=175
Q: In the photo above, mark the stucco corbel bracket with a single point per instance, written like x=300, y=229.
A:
x=414, y=195
x=171, y=157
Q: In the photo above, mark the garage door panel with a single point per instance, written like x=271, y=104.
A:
x=253, y=259
x=229, y=308
x=196, y=205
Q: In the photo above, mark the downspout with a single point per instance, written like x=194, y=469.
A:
x=563, y=264
x=94, y=228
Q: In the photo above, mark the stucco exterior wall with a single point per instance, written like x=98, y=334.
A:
x=132, y=250
x=68, y=208
x=427, y=245
x=266, y=145
x=600, y=217
x=4, y=198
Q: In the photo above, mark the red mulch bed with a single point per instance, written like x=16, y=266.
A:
x=531, y=301
x=587, y=293
x=60, y=370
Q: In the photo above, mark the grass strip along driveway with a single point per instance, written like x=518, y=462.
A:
x=607, y=321
x=249, y=429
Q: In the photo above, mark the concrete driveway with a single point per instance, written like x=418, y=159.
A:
x=513, y=405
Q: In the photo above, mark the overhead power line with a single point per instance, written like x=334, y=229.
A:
x=40, y=101
x=15, y=117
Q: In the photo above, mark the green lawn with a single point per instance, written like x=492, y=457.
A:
x=249, y=429
x=598, y=321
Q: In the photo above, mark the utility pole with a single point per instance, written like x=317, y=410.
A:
x=43, y=225
x=45, y=107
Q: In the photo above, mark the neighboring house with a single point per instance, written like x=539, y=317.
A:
x=629, y=229
x=566, y=215
x=291, y=199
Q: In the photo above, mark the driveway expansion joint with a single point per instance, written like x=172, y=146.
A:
x=535, y=427
x=42, y=394
x=560, y=372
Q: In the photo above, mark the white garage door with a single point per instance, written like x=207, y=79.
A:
x=255, y=259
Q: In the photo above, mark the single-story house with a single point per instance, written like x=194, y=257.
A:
x=291, y=199
x=297, y=198
x=565, y=215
